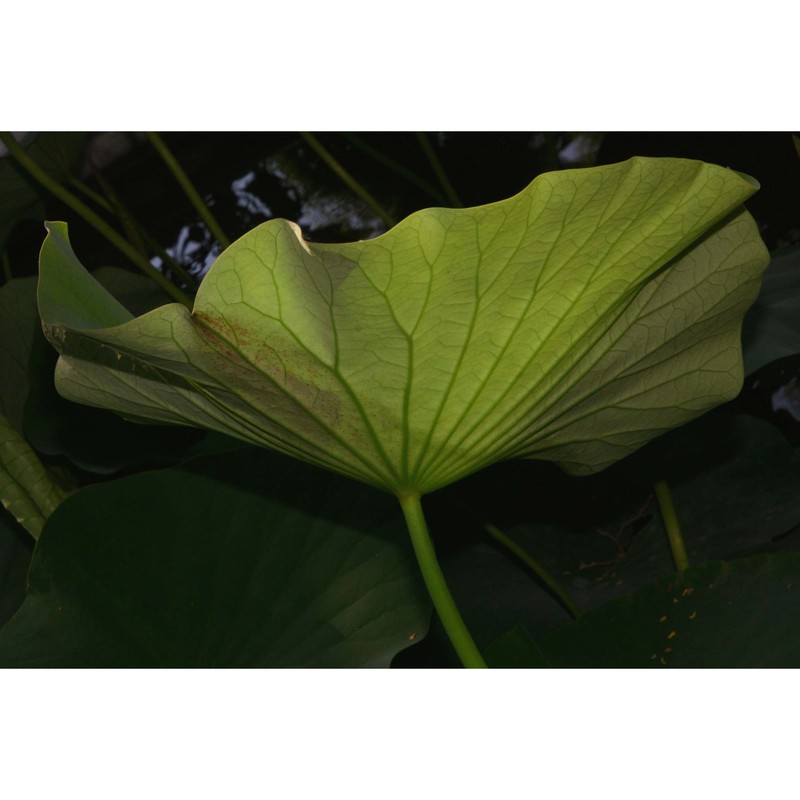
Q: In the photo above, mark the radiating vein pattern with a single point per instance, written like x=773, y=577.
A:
x=572, y=322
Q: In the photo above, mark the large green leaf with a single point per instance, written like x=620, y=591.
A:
x=572, y=322
x=236, y=560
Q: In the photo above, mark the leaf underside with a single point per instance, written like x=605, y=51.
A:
x=573, y=322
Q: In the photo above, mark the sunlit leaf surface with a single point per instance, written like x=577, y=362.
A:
x=572, y=322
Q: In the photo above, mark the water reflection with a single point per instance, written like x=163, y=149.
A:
x=321, y=208
x=772, y=393
x=194, y=249
x=298, y=189
x=249, y=201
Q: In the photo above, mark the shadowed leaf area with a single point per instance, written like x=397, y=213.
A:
x=743, y=613
x=238, y=560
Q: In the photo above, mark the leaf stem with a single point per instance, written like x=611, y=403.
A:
x=535, y=567
x=437, y=587
x=100, y=225
x=188, y=187
x=671, y=525
x=437, y=167
x=348, y=179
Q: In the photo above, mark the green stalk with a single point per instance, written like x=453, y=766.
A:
x=166, y=258
x=535, y=567
x=188, y=187
x=671, y=525
x=348, y=179
x=129, y=227
x=433, y=159
x=396, y=167
x=98, y=199
x=100, y=225
x=437, y=587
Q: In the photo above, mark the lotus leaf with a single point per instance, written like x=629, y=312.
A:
x=573, y=322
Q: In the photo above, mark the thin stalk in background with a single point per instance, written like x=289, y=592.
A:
x=671, y=525
x=396, y=167
x=7, y=273
x=129, y=227
x=87, y=191
x=168, y=261
x=523, y=555
x=437, y=586
x=188, y=187
x=348, y=179
x=100, y=225
x=437, y=167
